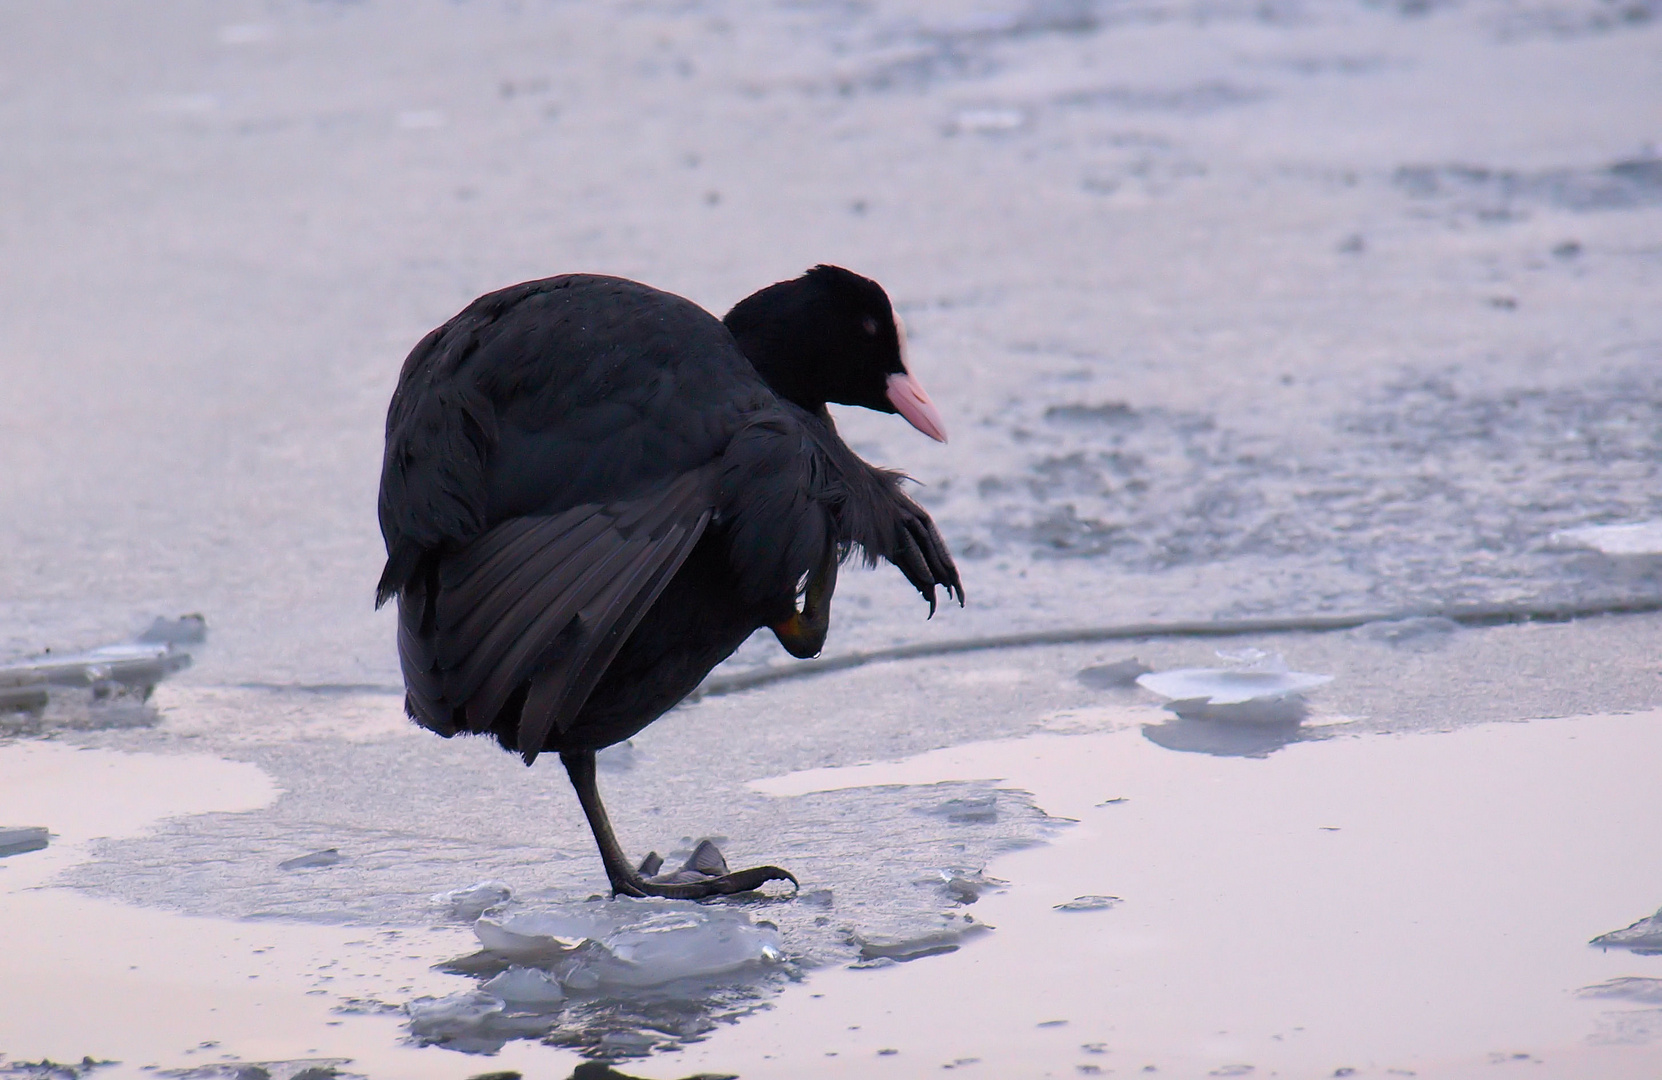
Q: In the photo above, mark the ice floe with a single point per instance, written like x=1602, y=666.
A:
x=16, y=841
x=1259, y=689
x=1643, y=937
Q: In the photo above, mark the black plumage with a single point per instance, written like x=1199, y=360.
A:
x=594, y=491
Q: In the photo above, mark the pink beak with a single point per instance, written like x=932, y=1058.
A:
x=907, y=396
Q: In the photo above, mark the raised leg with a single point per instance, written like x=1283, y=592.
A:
x=803, y=634
x=627, y=881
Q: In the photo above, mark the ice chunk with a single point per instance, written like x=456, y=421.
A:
x=669, y=946
x=1631, y=988
x=22, y=691
x=1257, y=676
x=131, y=664
x=15, y=841
x=185, y=630
x=538, y=936
x=1636, y=539
x=1091, y=902
x=133, y=667
x=964, y=886
x=522, y=986
x=470, y=903
x=900, y=947
x=631, y=945
x=1643, y=937
x=326, y=857
x=472, y=1022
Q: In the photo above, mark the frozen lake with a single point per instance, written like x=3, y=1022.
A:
x=1236, y=311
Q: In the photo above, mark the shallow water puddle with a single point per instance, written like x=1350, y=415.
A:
x=92, y=977
x=1414, y=903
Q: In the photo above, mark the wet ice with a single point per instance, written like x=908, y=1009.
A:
x=599, y=972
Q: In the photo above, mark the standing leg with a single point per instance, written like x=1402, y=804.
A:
x=627, y=881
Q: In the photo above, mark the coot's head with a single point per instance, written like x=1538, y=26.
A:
x=831, y=335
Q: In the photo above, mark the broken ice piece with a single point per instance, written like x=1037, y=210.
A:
x=631, y=944
x=964, y=886
x=1089, y=902
x=470, y=903
x=522, y=986
x=1257, y=680
x=1636, y=539
x=900, y=947
x=1629, y=988
x=185, y=630
x=15, y=841
x=22, y=691
x=1643, y=937
x=326, y=857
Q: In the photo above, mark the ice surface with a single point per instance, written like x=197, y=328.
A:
x=1643, y=937
x=1426, y=632
x=1638, y=538
x=326, y=857
x=1258, y=690
x=15, y=841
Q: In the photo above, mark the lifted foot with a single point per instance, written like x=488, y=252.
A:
x=704, y=874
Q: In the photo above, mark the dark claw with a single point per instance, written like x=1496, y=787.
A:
x=910, y=559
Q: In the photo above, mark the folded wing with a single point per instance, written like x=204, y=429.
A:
x=530, y=614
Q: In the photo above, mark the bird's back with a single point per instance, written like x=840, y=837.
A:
x=550, y=394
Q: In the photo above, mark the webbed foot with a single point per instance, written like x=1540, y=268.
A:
x=704, y=874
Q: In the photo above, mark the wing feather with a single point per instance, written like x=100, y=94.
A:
x=542, y=604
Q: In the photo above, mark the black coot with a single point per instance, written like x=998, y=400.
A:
x=593, y=492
